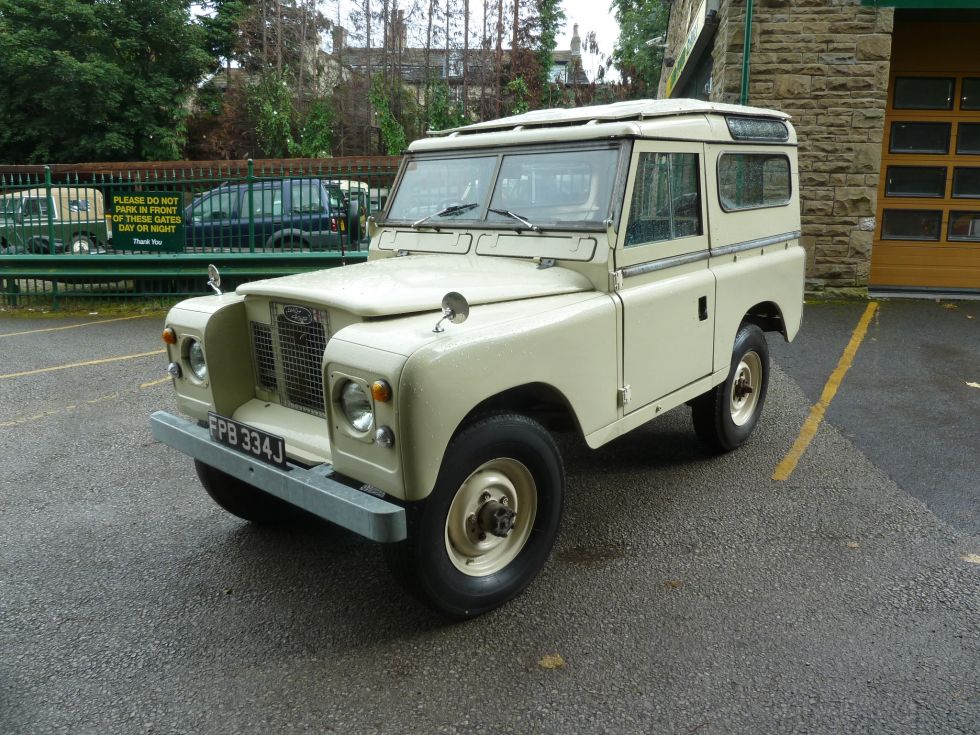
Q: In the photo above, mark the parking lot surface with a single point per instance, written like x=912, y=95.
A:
x=686, y=593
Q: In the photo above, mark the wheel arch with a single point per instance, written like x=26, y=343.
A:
x=537, y=400
x=768, y=317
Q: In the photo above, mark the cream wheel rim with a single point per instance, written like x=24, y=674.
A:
x=745, y=388
x=472, y=548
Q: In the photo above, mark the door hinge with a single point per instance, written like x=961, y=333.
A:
x=616, y=280
x=625, y=395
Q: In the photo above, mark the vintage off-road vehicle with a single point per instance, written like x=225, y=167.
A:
x=588, y=268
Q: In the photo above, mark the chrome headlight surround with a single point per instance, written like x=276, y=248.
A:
x=355, y=401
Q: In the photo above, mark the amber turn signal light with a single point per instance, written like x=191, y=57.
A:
x=169, y=336
x=381, y=391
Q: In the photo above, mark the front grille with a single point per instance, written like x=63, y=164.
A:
x=265, y=358
x=288, y=355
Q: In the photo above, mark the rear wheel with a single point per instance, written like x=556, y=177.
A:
x=725, y=416
x=82, y=244
x=241, y=499
x=488, y=527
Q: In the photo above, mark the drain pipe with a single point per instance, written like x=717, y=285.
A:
x=746, y=48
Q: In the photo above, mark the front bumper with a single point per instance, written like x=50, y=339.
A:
x=314, y=490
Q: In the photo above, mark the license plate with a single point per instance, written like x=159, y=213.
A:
x=248, y=440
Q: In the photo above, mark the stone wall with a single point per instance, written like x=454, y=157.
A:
x=826, y=63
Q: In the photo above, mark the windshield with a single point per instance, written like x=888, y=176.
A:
x=538, y=190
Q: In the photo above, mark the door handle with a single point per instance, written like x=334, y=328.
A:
x=702, y=308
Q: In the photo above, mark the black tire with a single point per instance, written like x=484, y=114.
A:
x=241, y=499
x=721, y=423
x=503, y=455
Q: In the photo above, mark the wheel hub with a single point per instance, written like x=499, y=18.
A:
x=496, y=518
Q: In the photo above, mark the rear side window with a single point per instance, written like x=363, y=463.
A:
x=753, y=180
x=305, y=197
x=666, y=202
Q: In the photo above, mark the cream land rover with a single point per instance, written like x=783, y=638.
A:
x=588, y=268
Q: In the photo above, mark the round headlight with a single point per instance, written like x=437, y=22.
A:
x=357, y=406
x=195, y=358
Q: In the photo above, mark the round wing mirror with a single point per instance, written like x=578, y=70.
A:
x=214, y=278
x=455, y=308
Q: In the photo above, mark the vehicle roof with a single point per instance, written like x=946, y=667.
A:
x=671, y=118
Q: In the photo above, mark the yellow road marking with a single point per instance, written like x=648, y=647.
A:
x=80, y=364
x=73, y=407
x=73, y=326
x=785, y=468
x=55, y=411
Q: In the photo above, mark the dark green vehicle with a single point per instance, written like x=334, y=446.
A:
x=74, y=216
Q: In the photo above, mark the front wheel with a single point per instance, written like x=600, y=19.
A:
x=241, y=499
x=725, y=416
x=488, y=527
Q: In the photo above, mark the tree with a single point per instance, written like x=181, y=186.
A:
x=96, y=81
x=639, y=64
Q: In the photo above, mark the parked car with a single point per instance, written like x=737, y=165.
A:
x=75, y=215
x=580, y=270
x=286, y=214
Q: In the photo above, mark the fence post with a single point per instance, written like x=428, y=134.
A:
x=250, y=177
x=49, y=201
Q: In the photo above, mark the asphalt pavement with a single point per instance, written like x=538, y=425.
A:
x=687, y=593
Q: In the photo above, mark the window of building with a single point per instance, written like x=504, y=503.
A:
x=666, y=202
x=920, y=137
x=968, y=139
x=916, y=181
x=964, y=226
x=970, y=95
x=911, y=224
x=924, y=93
x=966, y=182
x=753, y=180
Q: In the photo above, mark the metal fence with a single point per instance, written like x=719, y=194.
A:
x=115, y=231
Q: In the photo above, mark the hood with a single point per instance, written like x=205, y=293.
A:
x=416, y=283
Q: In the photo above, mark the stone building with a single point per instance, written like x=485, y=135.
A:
x=885, y=97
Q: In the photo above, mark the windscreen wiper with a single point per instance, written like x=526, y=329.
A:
x=448, y=211
x=522, y=220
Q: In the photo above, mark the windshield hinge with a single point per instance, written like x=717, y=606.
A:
x=616, y=280
x=545, y=263
x=401, y=253
x=625, y=395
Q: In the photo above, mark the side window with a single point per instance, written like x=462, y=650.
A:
x=753, y=180
x=215, y=207
x=35, y=208
x=666, y=201
x=264, y=202
x=305, y=198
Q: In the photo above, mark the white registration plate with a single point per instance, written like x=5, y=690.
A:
x=248, y=440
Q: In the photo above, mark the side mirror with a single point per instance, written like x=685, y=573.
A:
x=455, y=308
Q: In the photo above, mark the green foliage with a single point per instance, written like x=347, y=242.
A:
x=90, y=81
x=443, y=113
x=639, y=65
x=520, y=93
x=392, y=131
x=551, y=18
x=269, y=109
x=316, y=132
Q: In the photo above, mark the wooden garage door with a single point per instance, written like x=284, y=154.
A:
x=928, y=215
